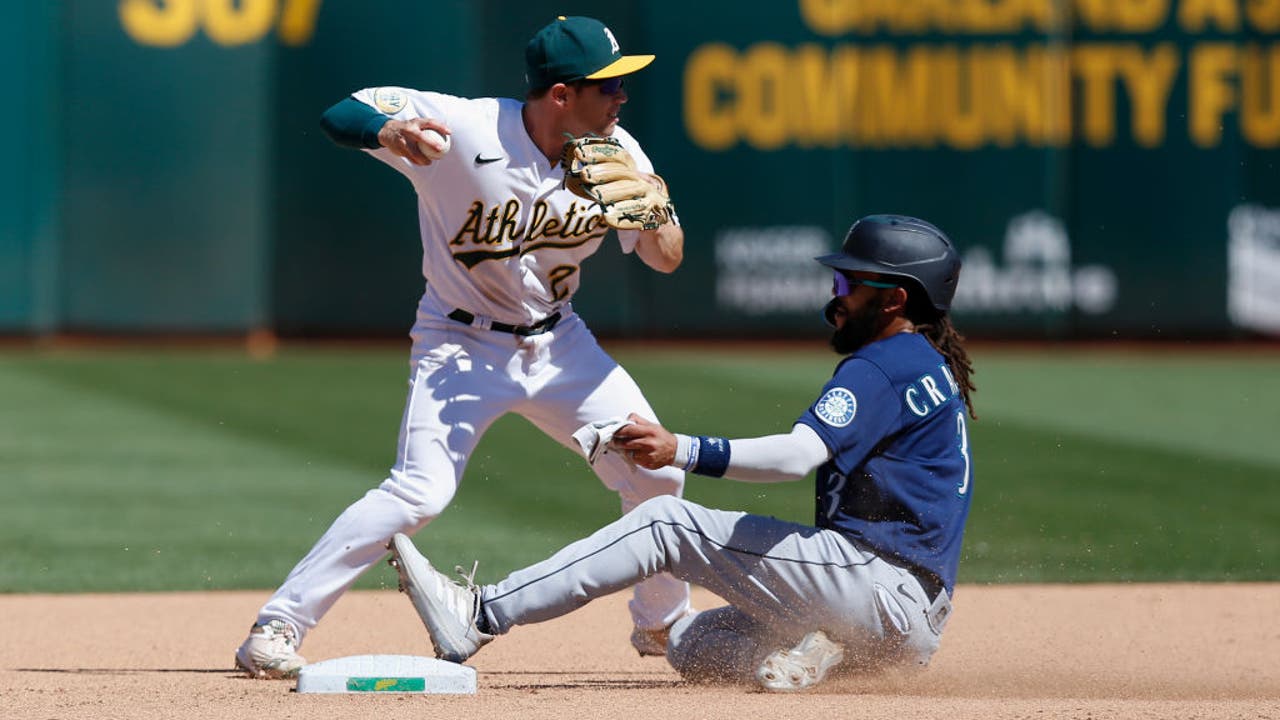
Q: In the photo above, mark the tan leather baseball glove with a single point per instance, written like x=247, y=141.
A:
x=599, y=169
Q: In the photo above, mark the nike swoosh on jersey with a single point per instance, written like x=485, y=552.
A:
x=482, y=160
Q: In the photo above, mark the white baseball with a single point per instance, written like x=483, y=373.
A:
x=438, y=138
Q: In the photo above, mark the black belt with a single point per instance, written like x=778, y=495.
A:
x=537, y=328
x=931, y=585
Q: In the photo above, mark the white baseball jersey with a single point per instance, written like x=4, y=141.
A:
x=501, y=237
x=502, y=240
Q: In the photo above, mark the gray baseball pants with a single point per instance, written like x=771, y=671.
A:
x=781, y=580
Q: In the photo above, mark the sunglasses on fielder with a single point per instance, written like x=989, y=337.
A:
x=844, y=285
x=608, y=86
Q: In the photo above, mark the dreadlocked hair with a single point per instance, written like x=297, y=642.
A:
x=942, y=335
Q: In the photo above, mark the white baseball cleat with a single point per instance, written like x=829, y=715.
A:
x=270, y=652
x=802, y=666
x=447, y=609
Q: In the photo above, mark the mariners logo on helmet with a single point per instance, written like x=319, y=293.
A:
x=837, y=407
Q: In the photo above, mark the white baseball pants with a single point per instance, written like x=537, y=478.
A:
x=463, y=379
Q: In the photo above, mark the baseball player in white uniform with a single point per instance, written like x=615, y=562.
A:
x=503, y=243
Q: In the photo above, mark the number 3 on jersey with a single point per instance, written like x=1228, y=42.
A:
x=838, y=481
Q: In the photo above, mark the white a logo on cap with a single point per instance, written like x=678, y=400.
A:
x=613, y=42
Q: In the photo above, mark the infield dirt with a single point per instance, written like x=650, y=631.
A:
x=1019, y=651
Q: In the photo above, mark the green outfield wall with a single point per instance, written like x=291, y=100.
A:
x=29, y=213
x=1107, y=167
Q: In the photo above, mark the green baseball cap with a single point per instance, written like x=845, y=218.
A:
x=576, y=48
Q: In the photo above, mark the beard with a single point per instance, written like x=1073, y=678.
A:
x=859, y=329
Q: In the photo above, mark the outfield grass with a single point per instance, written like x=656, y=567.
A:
x=180, y=470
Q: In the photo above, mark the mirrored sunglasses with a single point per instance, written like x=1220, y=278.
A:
x=844, y=285
x=609, y=86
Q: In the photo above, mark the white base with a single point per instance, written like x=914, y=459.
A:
x=387, y=673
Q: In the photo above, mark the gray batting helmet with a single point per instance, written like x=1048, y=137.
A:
x=911, y=251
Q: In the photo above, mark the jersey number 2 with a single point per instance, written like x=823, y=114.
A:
x=559, y=276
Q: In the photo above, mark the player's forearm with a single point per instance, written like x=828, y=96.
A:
x=351, y=123
x=662, y=249
x=772, y=458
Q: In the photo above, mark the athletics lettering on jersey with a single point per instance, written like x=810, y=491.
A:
x=477, y=218
x=504, y=240
x=498, y=225
x=570, y=226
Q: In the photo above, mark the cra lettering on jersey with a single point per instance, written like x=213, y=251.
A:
x=930, y=391
x=495, y=232
x=836, y=407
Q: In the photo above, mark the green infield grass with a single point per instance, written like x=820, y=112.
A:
x=205, y=469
